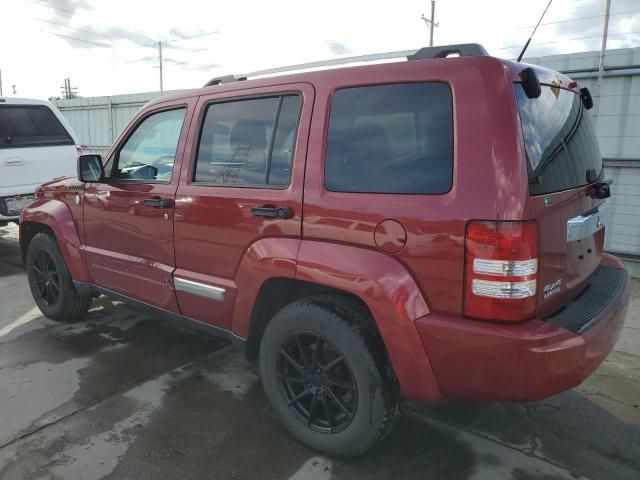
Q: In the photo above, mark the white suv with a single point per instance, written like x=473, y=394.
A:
x=36, y=144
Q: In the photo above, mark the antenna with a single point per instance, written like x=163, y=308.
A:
x=524, y=49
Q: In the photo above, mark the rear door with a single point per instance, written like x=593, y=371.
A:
x=246, y=165
x=34, y=148
x=564, y=160
x=128, y=218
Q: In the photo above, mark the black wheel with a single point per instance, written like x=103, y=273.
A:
x=327, y=377
x=50, y=281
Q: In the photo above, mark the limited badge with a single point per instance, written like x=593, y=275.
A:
x=552, y=288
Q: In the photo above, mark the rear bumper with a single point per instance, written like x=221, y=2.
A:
x=527, y=361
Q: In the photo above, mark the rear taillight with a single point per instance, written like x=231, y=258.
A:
x=501, y=271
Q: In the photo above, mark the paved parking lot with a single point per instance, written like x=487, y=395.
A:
x=124, y=395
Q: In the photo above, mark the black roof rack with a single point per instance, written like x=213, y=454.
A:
x=224, y=79
x=442, y=51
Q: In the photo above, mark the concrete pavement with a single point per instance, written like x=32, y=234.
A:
x=124, y=395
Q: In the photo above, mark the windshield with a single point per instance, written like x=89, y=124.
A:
x=559, y=139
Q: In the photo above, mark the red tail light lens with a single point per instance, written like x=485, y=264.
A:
x=501, y=271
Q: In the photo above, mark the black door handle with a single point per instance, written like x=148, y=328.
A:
x=158, y=202
x=272, y=212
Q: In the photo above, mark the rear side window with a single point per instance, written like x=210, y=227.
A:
x=391, y=139
x=249, y=142
x=31, y=126
x=559, y=140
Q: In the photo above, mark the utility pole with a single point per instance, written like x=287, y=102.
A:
x=67, y=90
x=603, y=51
x=160, y=58
x=0, y=83
x=431, y=24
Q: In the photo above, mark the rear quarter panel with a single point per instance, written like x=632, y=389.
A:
x=489, y=174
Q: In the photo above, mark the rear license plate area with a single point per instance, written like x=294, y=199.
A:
x=14, y=205
x=586, y=225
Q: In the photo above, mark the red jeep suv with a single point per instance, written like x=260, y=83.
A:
x=428, y=229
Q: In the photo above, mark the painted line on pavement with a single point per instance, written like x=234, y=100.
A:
x=26, y=318
x=316, y=468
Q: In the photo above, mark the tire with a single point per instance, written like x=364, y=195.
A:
x=50, y=281
x=372, y=397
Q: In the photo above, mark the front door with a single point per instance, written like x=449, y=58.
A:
x=128, y=218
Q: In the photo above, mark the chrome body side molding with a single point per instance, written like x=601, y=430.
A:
x=200, y=289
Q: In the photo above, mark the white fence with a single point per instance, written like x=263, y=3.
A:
x=98, y=120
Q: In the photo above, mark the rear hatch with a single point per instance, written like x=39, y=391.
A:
x=564, y=163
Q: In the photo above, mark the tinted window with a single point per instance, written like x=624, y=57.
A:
x=391, y=139
x=248, y=142
x=149, y=152
x=30, y=126
x=559, y=139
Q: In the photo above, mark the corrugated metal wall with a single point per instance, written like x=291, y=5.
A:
x=99, y=120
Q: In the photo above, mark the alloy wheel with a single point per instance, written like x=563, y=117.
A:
x=46, y=278
x=316, y=382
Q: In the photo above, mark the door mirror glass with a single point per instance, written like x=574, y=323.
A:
x=90, y=169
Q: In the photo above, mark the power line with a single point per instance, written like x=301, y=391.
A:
x=596, y=5
x=80, y=29
x=577, y=19
x=534, y=31
x=198, y=35
x=569, y=40
x=76, y=39
x=51, y=7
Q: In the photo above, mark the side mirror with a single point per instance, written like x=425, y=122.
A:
x=90, y=168
x=587, y=100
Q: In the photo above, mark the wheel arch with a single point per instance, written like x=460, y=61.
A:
x=54, y=218
x=277, y=292
x=377, y=282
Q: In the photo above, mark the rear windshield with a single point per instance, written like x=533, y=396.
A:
x=559, y=139
x=30, y=126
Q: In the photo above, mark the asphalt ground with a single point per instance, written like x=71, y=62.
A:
x=123, y=395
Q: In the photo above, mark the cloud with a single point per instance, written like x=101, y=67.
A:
x=337, y=48
x=179, y=33
x=66, y=9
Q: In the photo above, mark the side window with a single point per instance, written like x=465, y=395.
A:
x=391, y=139
x=249, y=142
x=149, y=153
x=31, y=126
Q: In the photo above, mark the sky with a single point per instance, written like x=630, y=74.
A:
x=109, y=47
